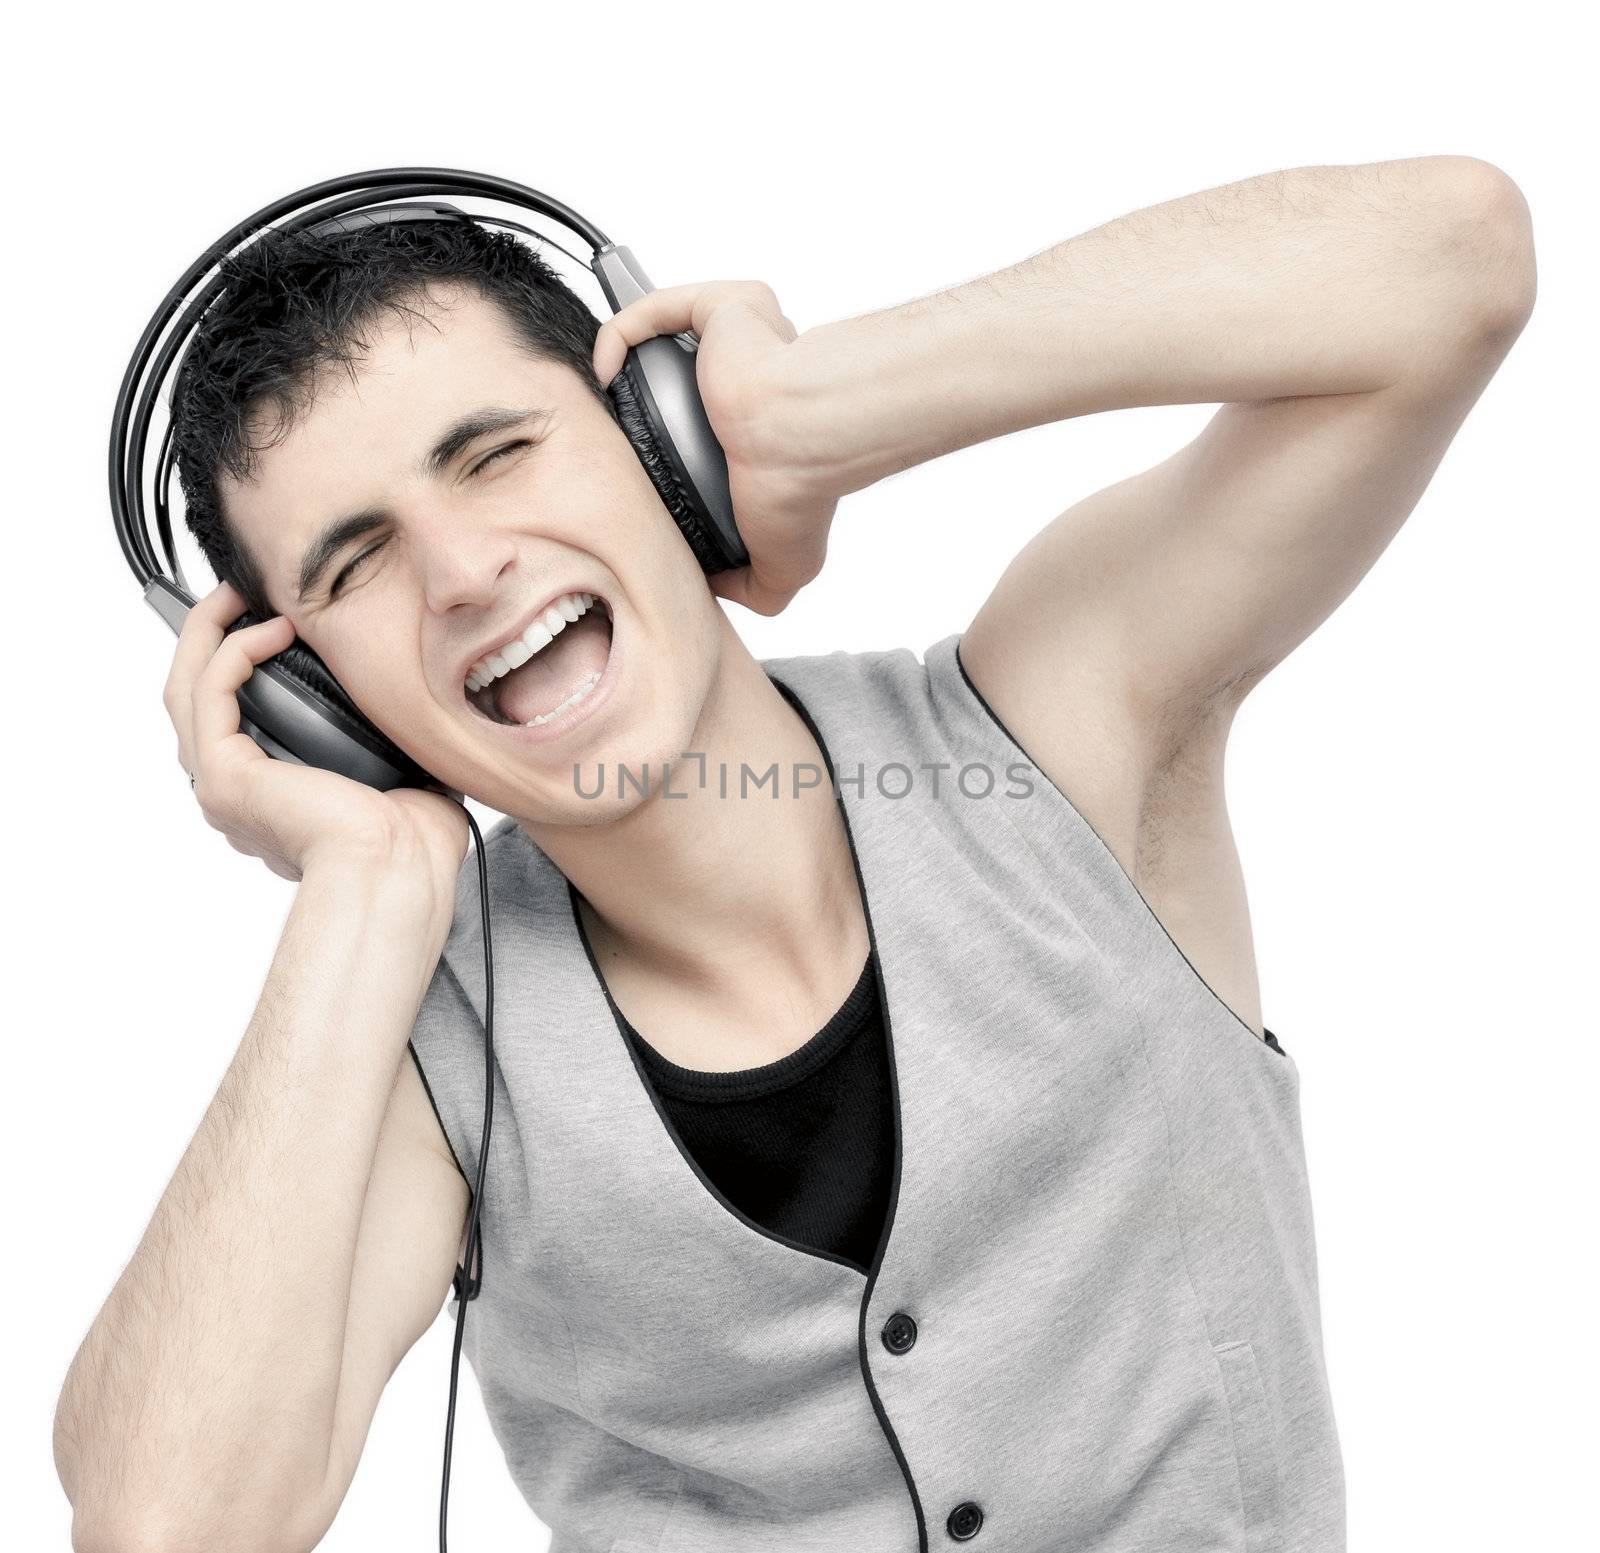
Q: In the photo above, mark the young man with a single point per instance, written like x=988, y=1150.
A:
x=871, y=1169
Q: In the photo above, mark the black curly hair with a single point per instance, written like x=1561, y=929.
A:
x=296, y=304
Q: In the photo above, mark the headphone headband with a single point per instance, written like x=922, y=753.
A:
x=656, y=369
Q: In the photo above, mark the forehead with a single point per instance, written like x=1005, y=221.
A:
x=368, y=427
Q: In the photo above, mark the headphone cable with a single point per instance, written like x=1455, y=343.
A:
x=465, y=1285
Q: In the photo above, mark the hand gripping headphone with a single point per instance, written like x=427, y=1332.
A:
x=291, y=705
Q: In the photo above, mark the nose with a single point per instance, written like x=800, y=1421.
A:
x=461, y=562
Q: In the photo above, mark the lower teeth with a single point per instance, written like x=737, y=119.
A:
x=571, y=701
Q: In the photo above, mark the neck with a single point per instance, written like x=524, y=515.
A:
x=703, y=887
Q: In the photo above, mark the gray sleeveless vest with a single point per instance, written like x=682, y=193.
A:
x=1092, y=1322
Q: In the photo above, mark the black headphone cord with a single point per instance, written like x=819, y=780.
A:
x=465, y=1285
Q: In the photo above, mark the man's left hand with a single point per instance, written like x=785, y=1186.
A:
x=752, y=380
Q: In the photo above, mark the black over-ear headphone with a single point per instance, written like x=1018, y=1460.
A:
x=291, y=705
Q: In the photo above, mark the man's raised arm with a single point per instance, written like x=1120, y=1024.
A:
x=1346, y=318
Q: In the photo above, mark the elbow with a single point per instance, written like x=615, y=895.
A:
x=109, y=1535
x=171, y=1523
x=131, y=1534
x=1486, y=265
x=125, y=1506
x=171, y=1517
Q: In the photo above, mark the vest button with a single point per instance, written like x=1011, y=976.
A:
x=964, y=1521
x=899, y=1332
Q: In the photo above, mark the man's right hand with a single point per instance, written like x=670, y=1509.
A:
x=286, y=814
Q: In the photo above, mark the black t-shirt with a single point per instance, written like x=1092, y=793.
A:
x=804, y=1145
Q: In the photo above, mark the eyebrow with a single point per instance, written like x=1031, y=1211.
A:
x=335, y=536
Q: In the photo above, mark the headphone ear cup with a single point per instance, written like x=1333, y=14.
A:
x=687, y=511
x=313, y=683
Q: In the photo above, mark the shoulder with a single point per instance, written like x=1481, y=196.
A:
x=510, y=867
x=844, y=675
x=881, y=701
x=523, y=890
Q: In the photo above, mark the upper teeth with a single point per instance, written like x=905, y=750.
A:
x=544, y=630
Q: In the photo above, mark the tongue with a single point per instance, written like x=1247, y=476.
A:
x=554, y=672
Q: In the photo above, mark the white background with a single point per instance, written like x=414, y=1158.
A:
x=1411, y=791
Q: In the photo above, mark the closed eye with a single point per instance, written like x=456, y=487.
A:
x=510, y=447
x=338, y=582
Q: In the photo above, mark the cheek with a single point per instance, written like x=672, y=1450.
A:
x=378, y=668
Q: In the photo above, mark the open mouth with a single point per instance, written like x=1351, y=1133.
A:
x=550, y=669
